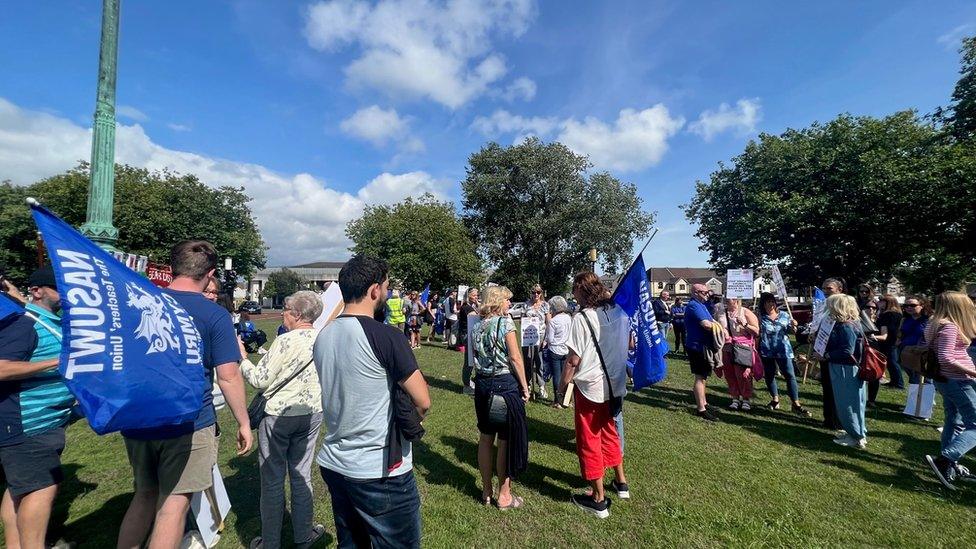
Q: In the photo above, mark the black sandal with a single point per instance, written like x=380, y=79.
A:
x=773, y=405
x=800, y=411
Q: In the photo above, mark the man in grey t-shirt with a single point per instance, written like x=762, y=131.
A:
x=361, y=363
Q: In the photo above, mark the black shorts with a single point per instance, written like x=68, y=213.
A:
x=35, y=463
x=483, y=389
x=699, y=364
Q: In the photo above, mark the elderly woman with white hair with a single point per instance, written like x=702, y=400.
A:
x=288, y=431
x=556, y=350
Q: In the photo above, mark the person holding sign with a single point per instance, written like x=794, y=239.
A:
x=171, y=463
x=777, y=352
x=844, y=352
x=831, y=286
x=740, y=362
x=536, y=311
x=951, y=330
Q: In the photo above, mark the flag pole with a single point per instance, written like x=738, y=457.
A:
x=640, y=253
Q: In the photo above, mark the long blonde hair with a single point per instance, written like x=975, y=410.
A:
x=494, y=302
x=843, y=308
x=957, y=308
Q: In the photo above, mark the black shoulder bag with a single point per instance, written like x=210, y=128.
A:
x=741, y=353
x=256, y=409
x=616, y=402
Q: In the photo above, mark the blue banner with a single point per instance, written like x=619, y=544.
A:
x=425, y=295
x=634, y=297
x=131, y=354
x=9, y=307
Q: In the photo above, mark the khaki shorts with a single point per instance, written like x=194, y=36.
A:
x=181, y=465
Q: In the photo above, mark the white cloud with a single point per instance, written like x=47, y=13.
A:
x=300, y=217
x=382, y=127
x=742, y=119
x=953, y=39
x=132, y=113
x=522, y=88
x=179, y=127
x=636, y=140
x=420, y=48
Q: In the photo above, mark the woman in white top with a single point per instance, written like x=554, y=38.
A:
x=537, y=309
x=287, y=434
x=556, y=350
x=599, y=341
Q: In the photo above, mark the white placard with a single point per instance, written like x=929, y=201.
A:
x=739, y=284
x=531, y=331
x=778, y=282
x=210, y=508
x=920, y=406
x=823, y=334
x=332, y=306
x=462, y=296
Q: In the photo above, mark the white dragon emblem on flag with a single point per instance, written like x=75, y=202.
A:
x=155, y=325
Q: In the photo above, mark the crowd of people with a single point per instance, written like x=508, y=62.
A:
x=314, y=381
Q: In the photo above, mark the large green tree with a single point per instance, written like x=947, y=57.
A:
x=859, y=197
x=423, y=241
x=282, y=284
x=153, y=211
x=536, y=210
x=959, y=117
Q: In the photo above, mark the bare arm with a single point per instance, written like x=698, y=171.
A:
x=752, y=322
x=416, y=386
x=569, y=370
x=16, y=369
x=231, y=384
x=13, y=292
x=515, y=357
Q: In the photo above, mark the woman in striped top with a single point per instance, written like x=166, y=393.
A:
x=950, y=331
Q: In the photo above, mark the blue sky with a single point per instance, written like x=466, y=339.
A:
x=320, y=108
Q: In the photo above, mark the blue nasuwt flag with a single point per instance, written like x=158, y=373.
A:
x=819, y=300
x=634, y=297
x=425, y=295
x=9, y=307
x=131, y=354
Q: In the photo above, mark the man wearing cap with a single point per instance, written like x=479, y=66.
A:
x=35, y=406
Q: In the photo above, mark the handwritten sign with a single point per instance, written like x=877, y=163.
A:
x=778, y=282
x=823, y=334
x=739, y=284
x=531, y=331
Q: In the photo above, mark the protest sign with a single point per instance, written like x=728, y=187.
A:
x=531, y=331
x=332, y=306
x=739, y=284
x=920, y=404
x=823, y=334
x=210, y=508
x=474, y=322
x=778, y=282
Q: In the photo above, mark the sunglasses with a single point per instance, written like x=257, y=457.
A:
x=875, y=308
x=910, y=305
x=536, y=292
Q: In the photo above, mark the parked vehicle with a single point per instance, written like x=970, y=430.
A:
x=517, y=311
x=250, y=307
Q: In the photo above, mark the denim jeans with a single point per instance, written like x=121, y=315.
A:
x=286, y=444
x=894, y=369
x=959, y=401
x=850, y=398
x=382, y=512
x=554, y=364
x=663, y=328
x=785, y=365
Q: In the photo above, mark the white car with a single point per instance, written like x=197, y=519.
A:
x=517, y=311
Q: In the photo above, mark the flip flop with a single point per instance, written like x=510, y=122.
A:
x=514, y=504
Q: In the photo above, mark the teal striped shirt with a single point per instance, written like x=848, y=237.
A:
x=45, y=402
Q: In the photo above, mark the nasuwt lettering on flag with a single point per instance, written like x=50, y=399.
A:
x=9, y=307
x=634, y=297
x=131, y=353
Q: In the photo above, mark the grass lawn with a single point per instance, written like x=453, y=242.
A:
x=755, y=479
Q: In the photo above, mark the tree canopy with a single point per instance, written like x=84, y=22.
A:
x=860, y=197
x=423, y=241
x=282, y=284
x=536, y=211
x=153, y=211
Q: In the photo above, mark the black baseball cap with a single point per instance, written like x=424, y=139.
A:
x=43, y=277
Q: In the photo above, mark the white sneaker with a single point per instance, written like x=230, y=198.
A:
x=734, y=405
x=746, y=406
x=851, y=442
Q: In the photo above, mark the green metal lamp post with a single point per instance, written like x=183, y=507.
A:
x=101, y=190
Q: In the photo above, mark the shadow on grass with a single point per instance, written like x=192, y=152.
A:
x=99, y=528
x=547, y=481
x=445, y=384
x=439, y=470
x=71, y=489
x=909, y=479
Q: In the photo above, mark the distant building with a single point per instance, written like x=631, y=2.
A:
x=679, y=280
x=318, y=275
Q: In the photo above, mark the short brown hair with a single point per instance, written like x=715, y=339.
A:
x=592, y=292
x=193, y=258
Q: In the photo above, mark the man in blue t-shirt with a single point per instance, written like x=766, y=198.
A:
x=698, y=335
x=35, y=405
x=171, y=463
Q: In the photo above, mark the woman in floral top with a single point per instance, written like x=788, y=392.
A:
x=499, y=371
x=287, y=434
x=777, y=352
